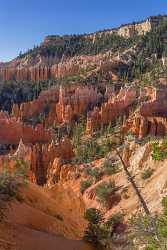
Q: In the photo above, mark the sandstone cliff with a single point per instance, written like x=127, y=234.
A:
x=12, y=130
x=111, y=109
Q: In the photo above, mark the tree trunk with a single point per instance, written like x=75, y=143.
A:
x=130, y=178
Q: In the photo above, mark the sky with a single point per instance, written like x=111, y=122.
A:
x=25, y=23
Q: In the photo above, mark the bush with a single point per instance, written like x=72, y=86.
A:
x=150, y=230
x=10, y=183
x=85, y=185
x=115, y=219
x=9, y=186
x=105, y=190
x=93, y=215
x=159, y=151
x=99, y=232
x=93, y=172
x=147, y=173
x=110, y=168
x=91, y=150
x=96, y=231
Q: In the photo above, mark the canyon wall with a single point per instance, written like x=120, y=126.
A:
x=111, y=109
x=12, y=130
x=41, y=71
x=37, y=106
x=151, y=118
x=38, y=158
x=61, y=105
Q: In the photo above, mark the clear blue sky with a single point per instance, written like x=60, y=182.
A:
x=24, y=23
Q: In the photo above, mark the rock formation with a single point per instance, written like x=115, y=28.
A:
x=38, y=157
x=72, y=106
x=111, y=109
x=12, y=130
x=37, y=106
x=151, y=116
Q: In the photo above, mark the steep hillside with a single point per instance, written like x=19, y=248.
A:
x=59, y=57
x=83, y=149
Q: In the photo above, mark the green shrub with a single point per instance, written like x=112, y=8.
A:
x=110, y=168
x=105, y=190
x=10, y=183
x=159, y=151
x=115, y=219
x=93, y=215
x=9, y=186
x=150, y=230
x=91, y=150
x=96, y=231
x=146, y=174
x=93, y=172
x=85, y=185
x=99, y=232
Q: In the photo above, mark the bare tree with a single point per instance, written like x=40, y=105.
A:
x=131, y=180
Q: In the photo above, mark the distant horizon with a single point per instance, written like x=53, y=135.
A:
x=25, y=25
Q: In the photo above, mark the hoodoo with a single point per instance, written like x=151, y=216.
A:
x=83, y=146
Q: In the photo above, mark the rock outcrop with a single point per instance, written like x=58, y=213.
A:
x=42, y=157
x=60, y=105
x=37, y=106
x=151, y=118
x=12, y=130
x=39, y=158
x=111, y=109
x=72, y=106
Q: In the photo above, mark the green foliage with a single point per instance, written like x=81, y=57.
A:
x=90, y=151
x=93, y=215
x=93, y=172
x=10, y=183
x=21, y=169
x=34, y=121
x=150, y=45
x=100, y=232
x=110, y=168
x=9, y=187
x=104, y=192
x=19, y=92
x=150, y=231
x=85, y=184
x=115, y=219
x=159, y=151
x=94, y=232
x=81, y=45
x=146, y=174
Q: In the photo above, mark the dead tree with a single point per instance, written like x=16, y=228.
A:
x=131, y=180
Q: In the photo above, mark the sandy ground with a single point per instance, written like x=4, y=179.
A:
x=44, y=221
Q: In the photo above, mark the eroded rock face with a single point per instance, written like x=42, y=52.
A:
x=38, y=157
x=37, y=106
x=151, y=117
x=72, y=106
x=60, y=173
x=12, y=130
x=40, y=73
x=63, y=105
x=42, y=68
x=111, y=109
x=42, y=156
x=157, y=106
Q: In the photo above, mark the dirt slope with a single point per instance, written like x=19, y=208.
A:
x=41, y=222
